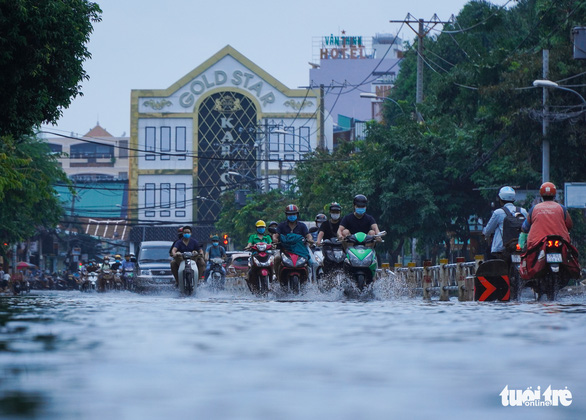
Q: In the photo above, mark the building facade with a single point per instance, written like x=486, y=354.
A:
x=226, y=125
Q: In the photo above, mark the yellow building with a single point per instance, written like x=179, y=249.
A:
x=226, y=125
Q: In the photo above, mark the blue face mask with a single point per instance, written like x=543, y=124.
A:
x=187, y=235
x=215, y=243
x=260, y=230
x=360, y=210
x=292, y=217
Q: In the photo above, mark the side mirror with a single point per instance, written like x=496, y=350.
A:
x=313, y=229
x=272, y=229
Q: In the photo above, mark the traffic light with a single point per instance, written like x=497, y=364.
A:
x=225, y=239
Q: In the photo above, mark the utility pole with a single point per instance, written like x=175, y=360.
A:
x=545, y=122
x=266, y=156
x=421, y=34
x=321, y=141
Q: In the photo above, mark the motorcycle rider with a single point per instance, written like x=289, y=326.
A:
x=495, y=224
x=291, y=225
x=127, y=266
x=547, y=218
x=117, y=262
x=358, y=220
x=105, y=266
x=329, y=229
x=259, y=236
x=215, y=250
x=186, y=244
x=320, y=219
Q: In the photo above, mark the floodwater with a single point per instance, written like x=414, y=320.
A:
x=120, y=355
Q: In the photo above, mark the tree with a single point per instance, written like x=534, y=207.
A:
x=27, y=174
x=42, y=51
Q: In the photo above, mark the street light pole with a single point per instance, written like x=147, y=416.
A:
x=548, y=84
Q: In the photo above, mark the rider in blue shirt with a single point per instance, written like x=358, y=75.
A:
x=215, y=250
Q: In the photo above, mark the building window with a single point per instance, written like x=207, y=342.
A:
x=150, y=142
x=123, y=149
x=289, y=139
x=166, y=213
x=149, y=214
x=180, y=196
x=165, y=196
x=274, y=139
x=149, y=195
x=55, y=148
x=91, y=151
x=165, y=142
x=181, y=140
x=180, y=213
x=304, y=140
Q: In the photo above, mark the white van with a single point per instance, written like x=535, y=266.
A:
x=154, y=265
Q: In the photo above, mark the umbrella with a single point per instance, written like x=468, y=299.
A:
x=23, y=265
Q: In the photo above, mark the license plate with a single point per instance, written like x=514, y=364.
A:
x=515, y=258
x=553, y=258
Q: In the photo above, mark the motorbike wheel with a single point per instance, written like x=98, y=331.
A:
x=294, y=284
x=360, y=280
x=515, y=281
x=552, y=286
x=188, y=282
x=217, y=282
x=263, y=284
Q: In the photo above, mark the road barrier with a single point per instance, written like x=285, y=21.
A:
x=442, y=278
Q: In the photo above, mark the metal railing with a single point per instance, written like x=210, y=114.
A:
x=443, y=278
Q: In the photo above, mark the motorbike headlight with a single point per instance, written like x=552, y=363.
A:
x=286, y=259
x=354, y=260
x=145, y=272
x=301, y=261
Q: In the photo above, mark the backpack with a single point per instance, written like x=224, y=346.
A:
x=512, y=226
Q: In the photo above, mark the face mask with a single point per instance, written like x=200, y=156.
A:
x=334, y=216
x=187, y=235
x=260, y=230
x=292, y=217
x=215, y=243
x=117, y=261
x=360, y=210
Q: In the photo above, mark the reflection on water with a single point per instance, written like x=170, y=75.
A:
x=122, y=355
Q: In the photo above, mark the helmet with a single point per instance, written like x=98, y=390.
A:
x=273, y=223
x=215, y=238
x=131, y=254
x=117, y=256
x=547, y=189
x=180, y=230
x=261, y=223
x=360, y=200
x=320, y=218
x=335, y=206
x=507, y=194
x=291, y=209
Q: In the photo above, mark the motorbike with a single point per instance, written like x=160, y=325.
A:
x=106, y=279
x=188, y=274
x=360, y=262
x=294, y=269
x=128, y=278
x=89, y=282
x=514, y=264
x=549, y=266
x=332, y=266
x=261, y=268
x=20, y=287
x=216, y=278
x=118, y=281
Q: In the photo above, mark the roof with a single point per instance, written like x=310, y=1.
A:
x=97, y=132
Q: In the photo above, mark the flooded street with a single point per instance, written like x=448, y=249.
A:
x=68, y=355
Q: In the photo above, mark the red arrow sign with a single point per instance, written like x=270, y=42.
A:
x=488, y=286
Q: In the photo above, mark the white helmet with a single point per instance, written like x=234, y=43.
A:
x=507, y=194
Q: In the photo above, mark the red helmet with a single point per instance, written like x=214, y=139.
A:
x=547, y=190
x=291, y=209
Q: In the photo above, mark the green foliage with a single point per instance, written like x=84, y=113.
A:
x=27, y=175
x=42, y=50
x=239, y=223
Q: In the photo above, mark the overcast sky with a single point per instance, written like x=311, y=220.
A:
x=150, y=44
